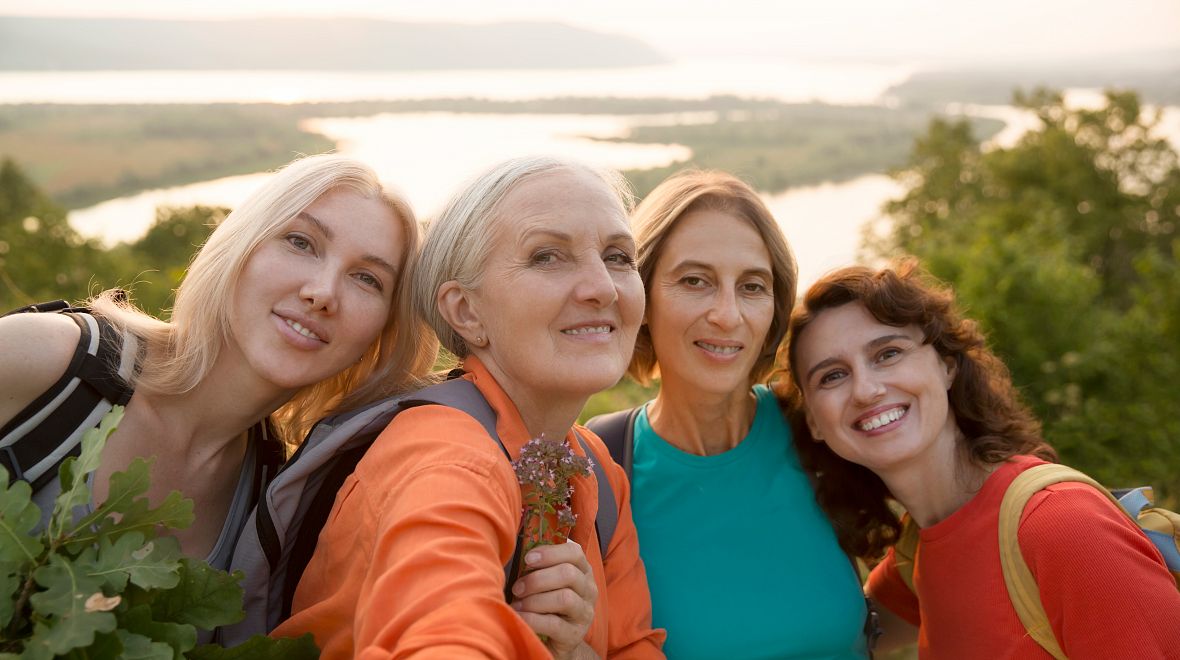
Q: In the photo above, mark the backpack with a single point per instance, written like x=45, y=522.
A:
x=617, y=431
x=1161, y=526
x=274, y=549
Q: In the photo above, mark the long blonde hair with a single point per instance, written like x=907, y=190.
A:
x=182, y=352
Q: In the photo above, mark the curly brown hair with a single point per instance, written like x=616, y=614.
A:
x=995, y=424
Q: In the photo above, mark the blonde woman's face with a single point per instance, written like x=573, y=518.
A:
x=316, y=295
x=560, y=300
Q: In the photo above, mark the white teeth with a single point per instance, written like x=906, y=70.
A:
x=588, y=330
x=302, y=330
x=721, y=350
x=882, y=419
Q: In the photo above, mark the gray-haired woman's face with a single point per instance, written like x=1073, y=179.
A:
x=560, y=300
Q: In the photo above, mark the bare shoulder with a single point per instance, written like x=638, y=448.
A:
x=35, y=350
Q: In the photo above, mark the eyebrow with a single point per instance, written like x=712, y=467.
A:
x=690, y=264
x=565, y=237
x=329, y=234
x=883, y=339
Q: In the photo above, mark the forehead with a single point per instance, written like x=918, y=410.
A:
x=565, y=199
x=352, y=219
x=718, y=238
x=844, y=330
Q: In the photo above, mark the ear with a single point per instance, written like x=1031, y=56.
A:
x=952, y=369
x=455, y=306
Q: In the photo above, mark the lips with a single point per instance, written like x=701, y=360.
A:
x=720, y=348
x=304, y=327
x=881, y=417
x=591, y=329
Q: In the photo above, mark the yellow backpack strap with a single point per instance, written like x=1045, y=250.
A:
x=906, y=549
x=1022, y=587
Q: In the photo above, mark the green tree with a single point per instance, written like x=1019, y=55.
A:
x=1065, y=248
x=152, y=267
x=41, y=256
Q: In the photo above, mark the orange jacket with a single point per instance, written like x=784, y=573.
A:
x=411, y=560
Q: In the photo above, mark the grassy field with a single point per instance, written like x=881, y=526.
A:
x=83, y=154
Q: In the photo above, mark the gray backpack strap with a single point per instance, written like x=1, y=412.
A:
x=608, y=507
x=617, y=431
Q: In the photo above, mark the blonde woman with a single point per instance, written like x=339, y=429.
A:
x=284, y=316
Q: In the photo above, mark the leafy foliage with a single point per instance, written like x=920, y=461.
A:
x=1065, y=248
x=107, y=584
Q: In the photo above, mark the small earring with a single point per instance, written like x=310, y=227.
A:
x=479, y=340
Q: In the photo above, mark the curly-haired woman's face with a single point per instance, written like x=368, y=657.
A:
x=875, y=393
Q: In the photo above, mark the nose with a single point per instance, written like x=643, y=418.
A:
x=595, y=285
x=866, y=387
x=725, y=312
x=319, y=291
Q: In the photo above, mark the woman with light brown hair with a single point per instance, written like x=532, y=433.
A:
x=740, y=559
x=903, y=400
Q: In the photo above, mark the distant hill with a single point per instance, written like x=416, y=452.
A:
x=92, y=44
x=1155, y=75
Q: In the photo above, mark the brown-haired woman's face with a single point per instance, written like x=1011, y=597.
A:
x=875, y=393
x=711, y=302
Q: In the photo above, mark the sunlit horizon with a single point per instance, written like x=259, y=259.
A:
x=914, y=31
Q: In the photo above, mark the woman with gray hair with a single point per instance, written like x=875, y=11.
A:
x=285, y=315
x=528, y=277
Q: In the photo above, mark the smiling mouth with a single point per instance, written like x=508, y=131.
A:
x=294, y=325
x=719, y=350
x=888, y=417
x=588, y=330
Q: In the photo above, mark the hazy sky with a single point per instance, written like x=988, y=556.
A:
x=857, y=29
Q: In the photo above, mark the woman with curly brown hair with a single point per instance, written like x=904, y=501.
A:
x=904, y=400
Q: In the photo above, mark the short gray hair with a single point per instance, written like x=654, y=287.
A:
x=457, y=245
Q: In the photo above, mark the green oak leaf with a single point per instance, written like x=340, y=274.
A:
x=206, y=597
x=150, y=564
x=63, y=603
x=18, y=517
x=260, y=647
x=138, y=647
x=134, y=512
x=180, y=637
x=74, y=471
x=10, y=583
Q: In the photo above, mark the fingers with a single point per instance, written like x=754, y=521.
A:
x=563, y=635
x=551, y=555
x=555, y=578
x=565, y=603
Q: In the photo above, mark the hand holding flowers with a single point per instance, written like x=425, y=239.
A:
x=556, y=593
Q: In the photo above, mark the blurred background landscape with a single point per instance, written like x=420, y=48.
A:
x=1027, y=154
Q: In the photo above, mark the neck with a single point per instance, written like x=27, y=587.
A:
x=702, y=423
x=213, y=415
x=933, y=489
x=545, y=414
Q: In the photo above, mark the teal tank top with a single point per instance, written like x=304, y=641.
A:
x=741, y=561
